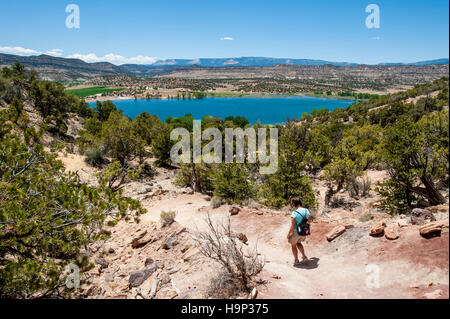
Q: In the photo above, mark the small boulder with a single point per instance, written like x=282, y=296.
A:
x=336, y=232
x=378, y=229
x=421, y=216
x=148, y=261
x=392, y=232
x=433, y=229
x=102, y=262
x=137, y=278
x=108, y=249
x=234, y=210
x=243, y=238
x=141, y=241
x=171, y=241
x=403, y=223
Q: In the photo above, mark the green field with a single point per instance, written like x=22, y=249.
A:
x=92, y=91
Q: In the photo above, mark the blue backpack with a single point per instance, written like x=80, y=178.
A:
x=303, y=228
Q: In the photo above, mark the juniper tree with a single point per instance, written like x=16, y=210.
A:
x=48, y=217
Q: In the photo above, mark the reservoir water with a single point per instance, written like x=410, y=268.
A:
x=268, y=110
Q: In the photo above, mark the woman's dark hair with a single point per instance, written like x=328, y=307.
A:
x=296, y=202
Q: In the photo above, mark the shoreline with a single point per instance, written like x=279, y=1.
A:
x=225, y=95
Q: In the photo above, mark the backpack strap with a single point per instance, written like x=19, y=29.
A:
x=300, y=215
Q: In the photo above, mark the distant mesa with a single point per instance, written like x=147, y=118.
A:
x=65, y=69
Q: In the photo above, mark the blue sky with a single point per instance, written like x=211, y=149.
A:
x=141, y=31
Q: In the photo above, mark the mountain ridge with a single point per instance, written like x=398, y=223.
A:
x=69, y=69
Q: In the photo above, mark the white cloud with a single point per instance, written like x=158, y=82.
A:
x=227, y=39
x=91, y=57
x=113, y=58
x=55, y=52
x=18, y=51
x=376, y=38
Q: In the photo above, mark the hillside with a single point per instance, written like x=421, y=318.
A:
x=97, y=190
x=70, y=70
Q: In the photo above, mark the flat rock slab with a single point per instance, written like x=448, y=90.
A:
x=137, y=278
x=433, y=229
x=336, y=232
x=234, y=210
x=378, y=229
x=392, y=232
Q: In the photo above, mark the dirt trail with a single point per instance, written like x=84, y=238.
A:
x=407, y=266
x=338, y=269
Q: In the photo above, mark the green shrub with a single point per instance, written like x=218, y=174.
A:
x=167, y=218
x=196, y=176
x=231, y=182
x=161, y=146
x=94, y=157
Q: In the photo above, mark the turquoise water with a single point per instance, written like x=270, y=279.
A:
x=269, y=110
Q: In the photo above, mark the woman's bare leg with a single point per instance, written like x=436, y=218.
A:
x=302, y=250
x=294, y=251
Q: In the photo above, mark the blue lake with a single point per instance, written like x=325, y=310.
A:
x=269, y=110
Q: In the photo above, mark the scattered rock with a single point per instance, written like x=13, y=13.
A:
x=336, y=232
x=169, y=242
x=173, y=271
x=208, y=198
x=102, y=262
x=421, y=216
x=234, y=210
x=108, y=249
x=141, y=241
x=92, y=290
x=185, y=248
x=159, y=264
x=137, y=278
x=243, y=238
x=433, y=229
x=165, y=279
x=378, y=229
x=159, y=192
x=392, y=232
x=403, y=222
x=276, y=277
x=148, y=261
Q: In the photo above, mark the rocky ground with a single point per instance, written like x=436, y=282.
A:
x=147, y=260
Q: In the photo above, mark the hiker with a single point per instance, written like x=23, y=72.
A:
x=299, y=216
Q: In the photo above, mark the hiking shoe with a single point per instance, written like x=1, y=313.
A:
x=305, y=259
x=297, y=263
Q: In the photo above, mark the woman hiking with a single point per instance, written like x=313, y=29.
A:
x=299, y=215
